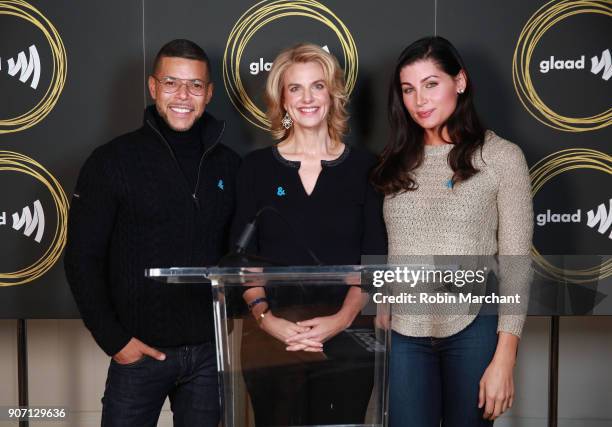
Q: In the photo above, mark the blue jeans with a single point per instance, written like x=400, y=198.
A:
x=435, y=380
x=135, y=393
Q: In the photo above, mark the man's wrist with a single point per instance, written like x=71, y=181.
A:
x=118, y=344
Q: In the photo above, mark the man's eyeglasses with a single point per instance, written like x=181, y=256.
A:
x=172, y=84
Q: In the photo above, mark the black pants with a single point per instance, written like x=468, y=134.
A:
x=299, y=388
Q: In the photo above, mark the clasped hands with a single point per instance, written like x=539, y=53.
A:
x=307, y=335
x=310, y=334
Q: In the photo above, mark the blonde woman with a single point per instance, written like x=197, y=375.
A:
x=319, y=185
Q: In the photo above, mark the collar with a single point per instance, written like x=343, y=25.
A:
x=297, y=163
x=211, y=128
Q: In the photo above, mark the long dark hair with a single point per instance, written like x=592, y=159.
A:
x=405, y=151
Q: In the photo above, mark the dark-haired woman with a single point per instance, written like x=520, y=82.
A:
x=452, y=188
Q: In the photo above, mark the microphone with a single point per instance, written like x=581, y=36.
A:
x=239, y=258
x=246, y=236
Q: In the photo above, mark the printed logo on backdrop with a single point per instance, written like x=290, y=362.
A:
x=599, y=218
x=33, y=219
x=578, y=218
x=269, y=27
x=562, y=65
x=32, y=66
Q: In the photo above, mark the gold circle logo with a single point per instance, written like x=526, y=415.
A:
x=257, y=17
x=15, y=162
x=545, y=170
x=23, y=10
x=540, y=22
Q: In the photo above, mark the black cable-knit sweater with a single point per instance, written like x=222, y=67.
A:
x=134, y=209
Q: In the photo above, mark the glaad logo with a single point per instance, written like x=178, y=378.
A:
x=26, y=67
x=551, y=166
x=539, y=24
x=257, y=67
x=264, y=14
x=559, y=64
x=603, y=63
x=602, y=218
x=34, y=223
x=29, y=221
x=548, y=217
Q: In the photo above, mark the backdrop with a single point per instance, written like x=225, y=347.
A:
x=73, y=75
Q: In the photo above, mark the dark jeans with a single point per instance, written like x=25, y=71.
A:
x=435, y=380
x=135, y=392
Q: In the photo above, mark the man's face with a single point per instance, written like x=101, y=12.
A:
x=182, y=108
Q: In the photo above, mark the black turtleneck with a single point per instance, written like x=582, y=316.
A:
x=131, y=212
x=187, y=147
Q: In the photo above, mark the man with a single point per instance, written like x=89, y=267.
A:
x=160, y=196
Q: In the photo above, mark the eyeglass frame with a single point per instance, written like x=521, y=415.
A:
x=182, y=82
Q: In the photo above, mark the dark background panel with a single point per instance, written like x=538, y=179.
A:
x=102, y=98
x=486, y=33
x=380, y=32
x=111, y=45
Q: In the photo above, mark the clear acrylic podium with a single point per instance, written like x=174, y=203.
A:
x=342, y=386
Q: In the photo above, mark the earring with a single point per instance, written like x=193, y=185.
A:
x=287, y=122
x=461, y=91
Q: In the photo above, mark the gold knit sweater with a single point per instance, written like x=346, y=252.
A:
x=489, y=214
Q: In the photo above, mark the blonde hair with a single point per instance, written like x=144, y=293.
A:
x=337, y=117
